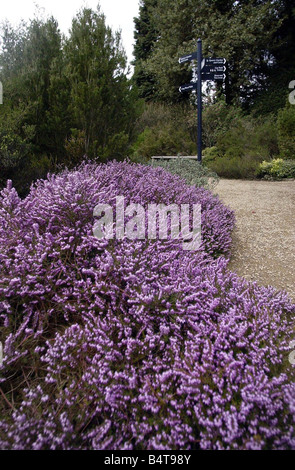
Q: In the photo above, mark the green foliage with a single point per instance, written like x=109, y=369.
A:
x=248, y=137
x=15, y=145
x=210, y=154
x=286, y=132
x=235, y=167
x=100, y=92
x=116, y=147
x=277, y=169
x=234, y=144
x=164, y=130
x=256, y=38
x=265, y=135
x=191, y=171
x=63, y=98
x=30, y=127
x=242, y=145
x=239, y=142
x=218, y=117
x=272, y=97
x=145, y=35
x=75, y=147
x=166, y=140
x=67, y=98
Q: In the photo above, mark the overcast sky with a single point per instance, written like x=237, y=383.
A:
x=119, y=14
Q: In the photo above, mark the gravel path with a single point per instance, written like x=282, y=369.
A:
x=264, y=238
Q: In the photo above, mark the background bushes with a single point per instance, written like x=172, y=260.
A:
x=164, y=130
x=246, y=141
x=286, y=132
x=235, y=143
x=65, y=98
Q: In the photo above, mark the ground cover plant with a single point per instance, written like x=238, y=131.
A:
x=190, y=170
x=120, y=344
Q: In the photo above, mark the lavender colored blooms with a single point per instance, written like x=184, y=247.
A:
x=119, y=344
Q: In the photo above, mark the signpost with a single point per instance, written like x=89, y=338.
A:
x=213, y=76
x=188, y=87
x=215, y=61
x=214, y=69
x=209, y=68
x=187, y=58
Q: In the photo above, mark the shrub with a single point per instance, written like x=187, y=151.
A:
x=164, y=140
x=210, y=154
x=277, y=168
x=113, y=344
x=286, y=132
x=249, y=138
x=236, y=167
x=164, y=130
x=242, y=146
x=218, y=117
x=155, y=115
x=75, y=147
x=265, y=136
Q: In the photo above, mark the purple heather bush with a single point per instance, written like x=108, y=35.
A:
x=120, y=344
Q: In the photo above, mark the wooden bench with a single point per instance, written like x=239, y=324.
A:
x=183, y=157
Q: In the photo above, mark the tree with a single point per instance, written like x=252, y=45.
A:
x=282, y=49
x=101, y=99
x=145, y=36
x=26, y=125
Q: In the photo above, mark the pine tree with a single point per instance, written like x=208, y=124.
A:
x=145, y=36
x=101, y=103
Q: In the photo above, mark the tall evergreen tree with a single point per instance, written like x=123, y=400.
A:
x=100, y=91
x=26, y=59
x=282, y=50
x=145, y=36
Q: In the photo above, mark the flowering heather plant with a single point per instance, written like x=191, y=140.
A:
x=119, y=344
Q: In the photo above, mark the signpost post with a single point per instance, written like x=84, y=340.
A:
x=209, y=68
x=199, y=95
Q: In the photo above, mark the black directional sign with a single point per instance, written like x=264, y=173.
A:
x=187, y=58
x=214, y=69
x=188, y=87
x=214, y=61
x=213, y=76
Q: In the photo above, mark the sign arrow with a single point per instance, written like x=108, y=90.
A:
x=214, y=69
x=187, y=87
x=215, y=61
x=213, y=76
x=187, y=58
